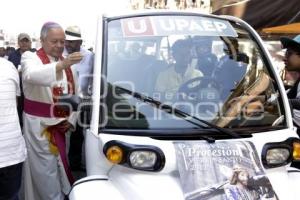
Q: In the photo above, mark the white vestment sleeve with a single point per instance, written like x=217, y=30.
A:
x=35, y=72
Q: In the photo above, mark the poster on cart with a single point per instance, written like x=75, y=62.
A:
x=222, y=171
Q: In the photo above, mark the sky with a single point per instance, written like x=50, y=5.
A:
x=29, y=15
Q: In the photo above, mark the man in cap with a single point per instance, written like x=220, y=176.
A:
x=292, y=63
x=24, y=42
x=84, y=68
x=84, y=71
x=46, y=77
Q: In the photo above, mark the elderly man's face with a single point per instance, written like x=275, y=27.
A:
x=54, y=42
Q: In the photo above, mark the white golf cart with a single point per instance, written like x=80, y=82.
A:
x=186, y=106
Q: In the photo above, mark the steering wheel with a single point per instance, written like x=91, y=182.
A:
x=197, y=87
x=202, y=93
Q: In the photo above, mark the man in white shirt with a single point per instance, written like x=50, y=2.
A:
x=84, y=71
x=84, y=68
x=12, y=144
x=170, y=80
x=46, y=76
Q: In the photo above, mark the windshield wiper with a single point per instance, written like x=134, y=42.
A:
x=171, y=110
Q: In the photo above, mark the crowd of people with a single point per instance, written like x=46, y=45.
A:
x=33, y=144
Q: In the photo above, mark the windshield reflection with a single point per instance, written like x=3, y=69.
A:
x=221, y=79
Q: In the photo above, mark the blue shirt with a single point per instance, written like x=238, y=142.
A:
x=15, y=58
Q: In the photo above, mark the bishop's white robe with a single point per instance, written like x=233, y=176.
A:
x=44, y=175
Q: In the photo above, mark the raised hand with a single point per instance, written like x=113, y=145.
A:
x=71, y=59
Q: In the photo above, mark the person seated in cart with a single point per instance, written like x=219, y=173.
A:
x=170, y=80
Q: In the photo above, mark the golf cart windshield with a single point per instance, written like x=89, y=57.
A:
x=208, y=68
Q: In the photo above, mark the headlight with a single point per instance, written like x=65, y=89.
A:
x=141, y=157
x=277, y=154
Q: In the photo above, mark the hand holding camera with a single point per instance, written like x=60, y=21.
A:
x=70, y=60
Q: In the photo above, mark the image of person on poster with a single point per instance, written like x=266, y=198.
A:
x=240, y=186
